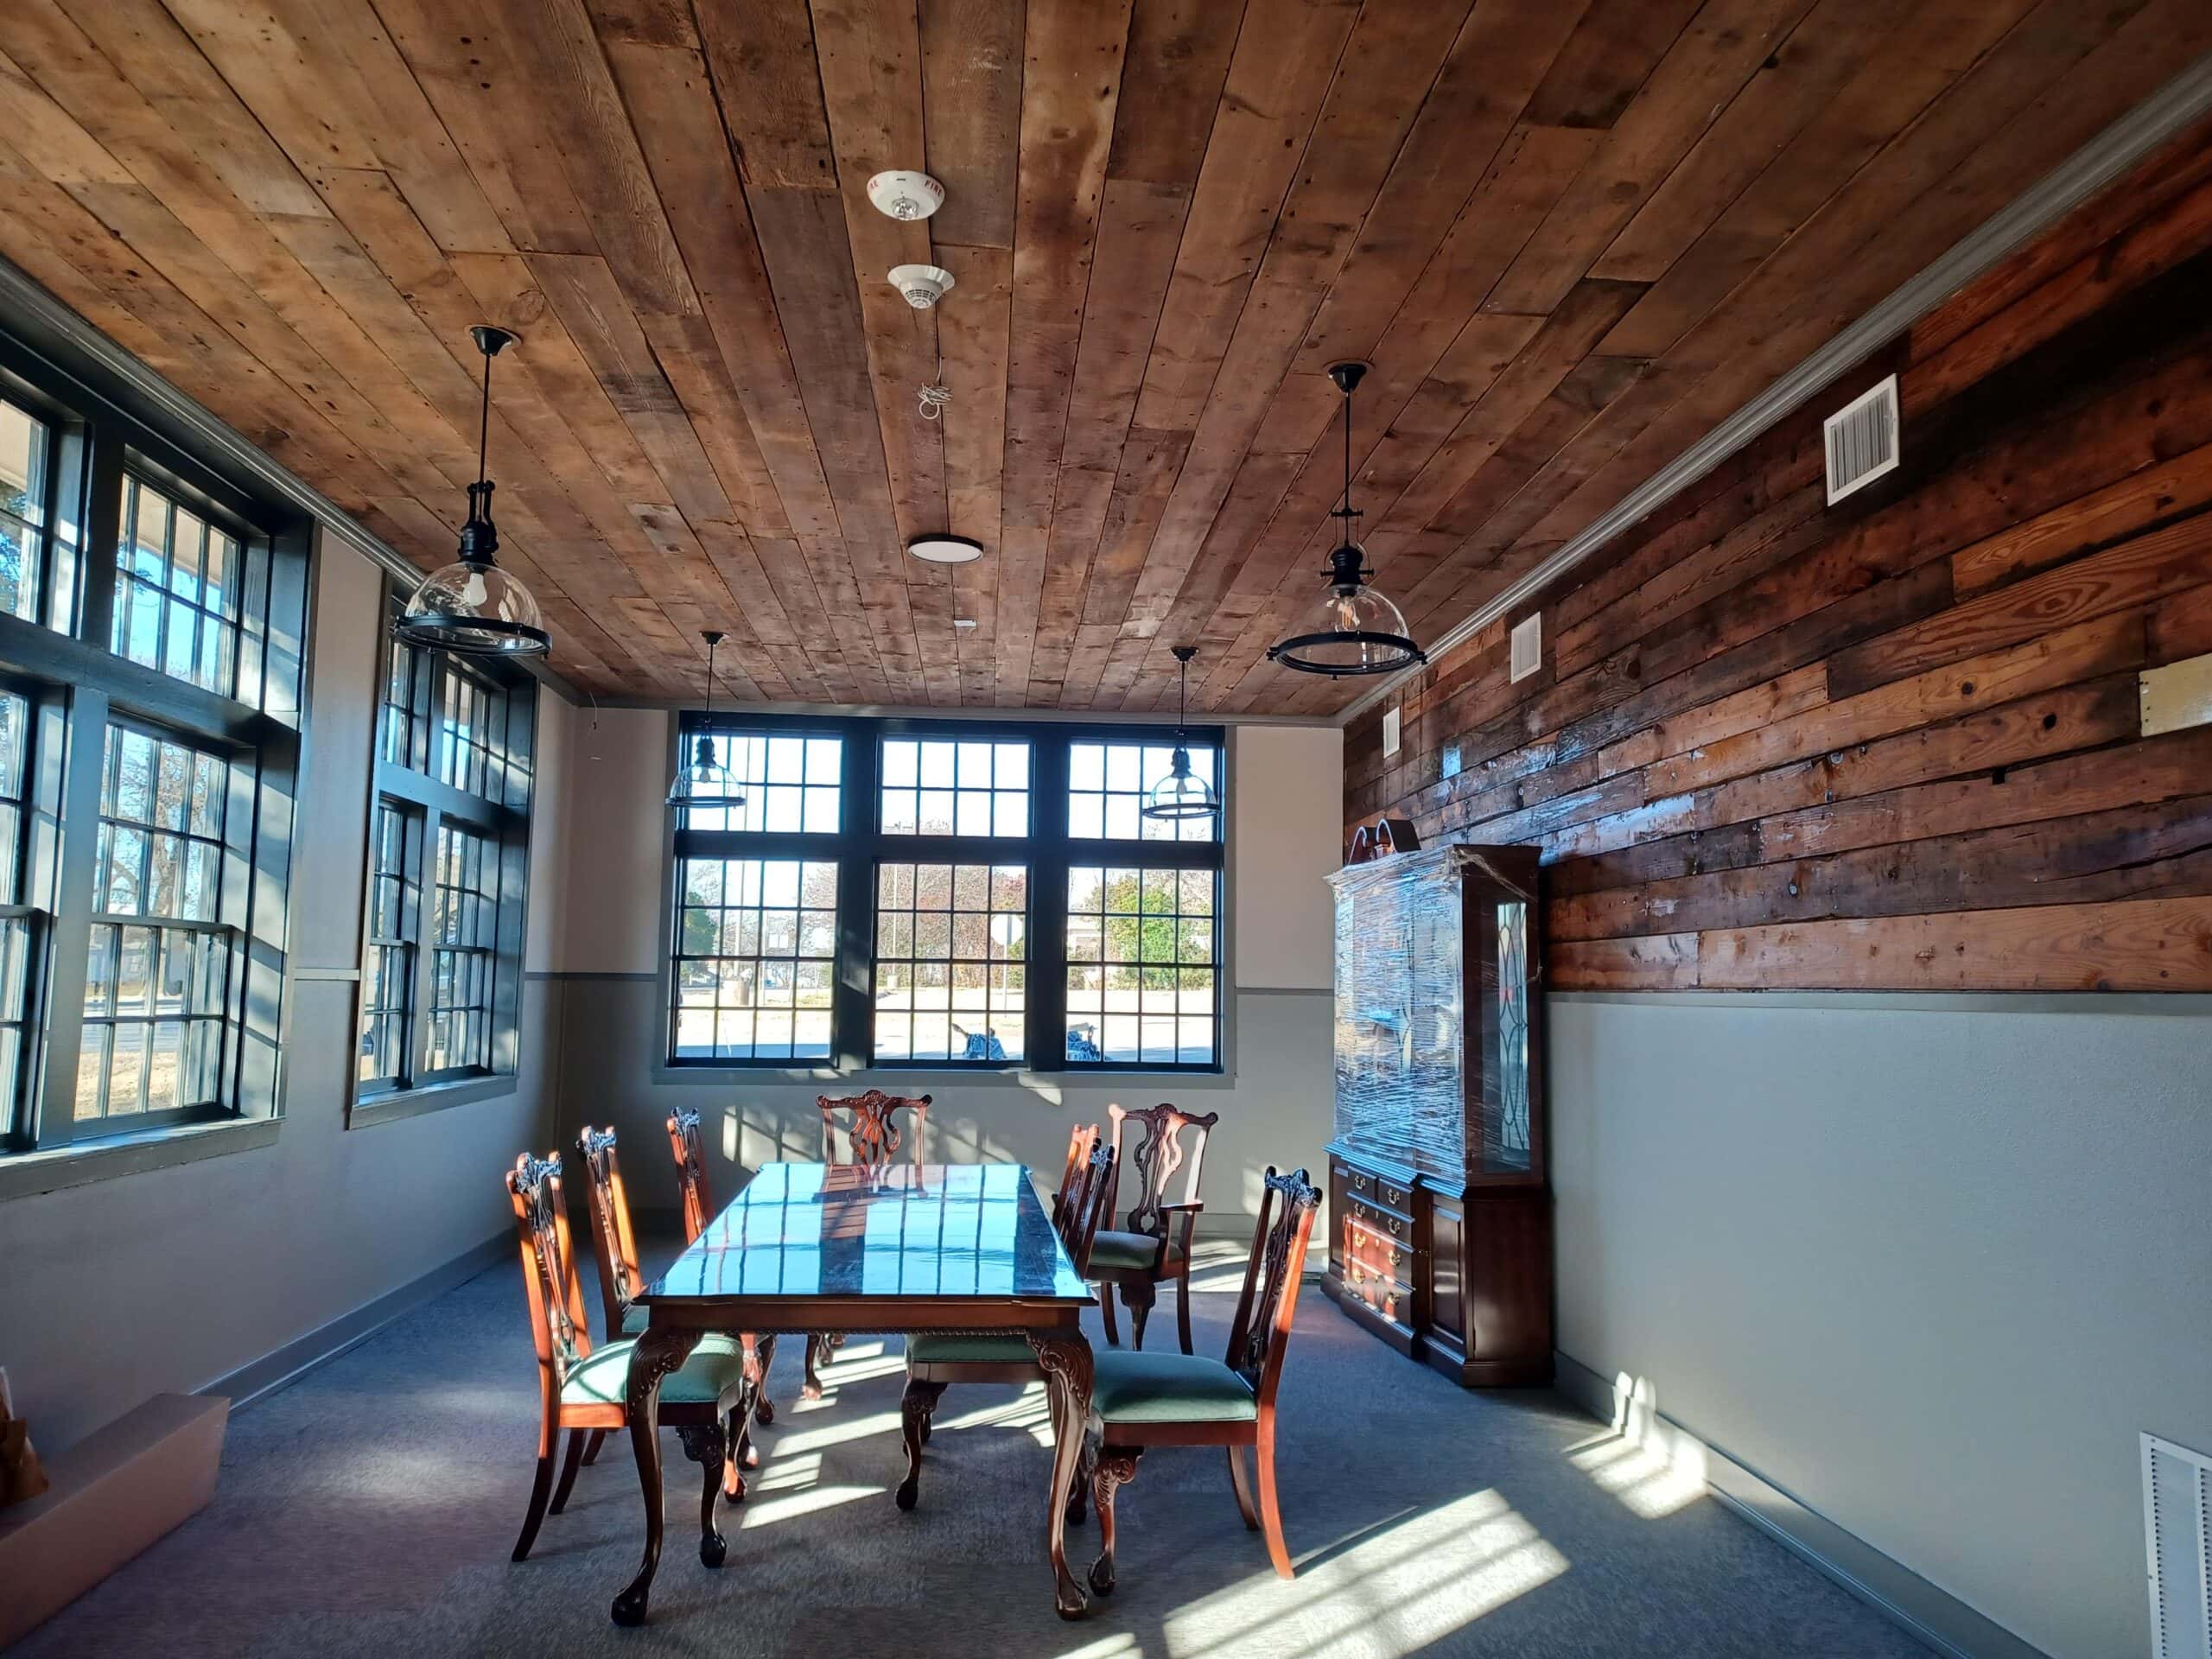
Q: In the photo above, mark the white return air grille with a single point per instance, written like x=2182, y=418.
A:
x=2177, y=1538
x=1862, y=441
x=1527, y=645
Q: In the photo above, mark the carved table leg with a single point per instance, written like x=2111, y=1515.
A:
x=764, y=1409
x=1116, y=1467
x=705, y=1445
x=658, y=1352
x=1064, y=1357
x=914, y=1408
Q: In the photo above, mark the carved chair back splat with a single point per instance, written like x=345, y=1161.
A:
x=1086, y=1203
x=872, y=1133
x=619, y=1281
x=1081, y=1139
x=690, y=1170
x=1159, y=1151
x=1259, y=1331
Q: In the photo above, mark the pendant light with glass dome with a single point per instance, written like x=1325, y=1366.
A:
x=1180, y=794
x=471, y=608
x=704, y=781
x=1353, y=629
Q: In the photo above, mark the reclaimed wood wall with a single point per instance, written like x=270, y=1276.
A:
x=1895, y=743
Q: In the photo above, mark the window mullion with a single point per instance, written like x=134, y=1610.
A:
x=71, y=747
x=420, y=992
x=1047, y=975
x=101, y=540
x=852, y=998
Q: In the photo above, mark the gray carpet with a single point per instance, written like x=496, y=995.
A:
x=369, y=1510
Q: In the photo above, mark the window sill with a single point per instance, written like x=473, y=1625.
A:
x=398, y=1103
x=26, y=1174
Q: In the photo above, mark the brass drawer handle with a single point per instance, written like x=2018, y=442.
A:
x=1395, y=1224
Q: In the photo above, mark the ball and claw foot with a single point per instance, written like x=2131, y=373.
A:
x=629, y=1609
x=712, y=1549
x=909, y=1493
x=764, y=1412
x=1102, y=1575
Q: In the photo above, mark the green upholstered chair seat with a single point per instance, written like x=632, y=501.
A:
x=635, y=1318
x=718, y=1363
x=1110, y=1249
x=950, y=1348
x=1141, y=1388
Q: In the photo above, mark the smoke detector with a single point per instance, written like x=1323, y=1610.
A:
x=946, y=549
x=903, y=194
x=921, y=285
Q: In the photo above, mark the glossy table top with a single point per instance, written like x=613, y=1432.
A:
x=944, y=1233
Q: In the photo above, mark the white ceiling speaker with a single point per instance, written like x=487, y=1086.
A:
x=946, y=549
x=923, y=285
x=903, y=194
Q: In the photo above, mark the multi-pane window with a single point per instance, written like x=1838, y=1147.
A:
x=792, y=785
x=157, y=985
x=1141, y=970
x=388, y=973
x=1108, y=784
x=179, y=589
x=945, y=787
x=464, y=947
x=976, y=894
x=756, y=947
x=441, y=967
x=151, y=619
x=951, y=962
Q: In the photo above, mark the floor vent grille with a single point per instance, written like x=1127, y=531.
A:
x=2177, y=1540
x=1862, y=441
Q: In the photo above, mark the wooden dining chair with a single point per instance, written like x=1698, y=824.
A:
x=1140, y=1399
x=582, y=1388
x=1081, y=1140
x=1152, y=1246
x=935, y=1360
x=615, y=1248
x=698, y=1207
x=873, y=1138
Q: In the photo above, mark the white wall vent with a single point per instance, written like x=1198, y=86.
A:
x=1391, y=728
x=1862, y=441
x=2177, y=1539
x=1527, y=645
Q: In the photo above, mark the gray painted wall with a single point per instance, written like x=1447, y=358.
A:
x=167, y=1280
x=1928, y=1264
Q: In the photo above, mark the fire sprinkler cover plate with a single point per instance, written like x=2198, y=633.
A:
x=946, y=549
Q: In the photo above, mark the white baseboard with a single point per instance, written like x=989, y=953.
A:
x=1935, y=1615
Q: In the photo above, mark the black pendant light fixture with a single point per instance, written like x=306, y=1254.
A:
x=471, y=608
x=701, y=779
x=1180, y=795
x=1353, y=629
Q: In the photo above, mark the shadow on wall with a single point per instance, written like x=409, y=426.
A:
x=1649, y=1465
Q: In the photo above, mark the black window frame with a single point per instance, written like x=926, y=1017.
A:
x=106, y=432
x=860, y=846
x=415, y=784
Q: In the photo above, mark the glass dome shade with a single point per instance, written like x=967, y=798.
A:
x=1352, y=629
x=475, y=608
x=1180, y=794
x=705, y=781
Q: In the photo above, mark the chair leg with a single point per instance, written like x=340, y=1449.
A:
x=1242, y=1480
x=914, y=1408
x=1138, y=1299
x=1106, y=1315
x=1183, y=1311
x=591, y=1445
x=1116, y=1467
x=569, y=1471
x=816, y=1347
x=702, y=1444
x=540, y=1490
x=1270, y=1512
x=740, y=1457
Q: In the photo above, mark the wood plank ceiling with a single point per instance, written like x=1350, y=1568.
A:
x=1570, y=235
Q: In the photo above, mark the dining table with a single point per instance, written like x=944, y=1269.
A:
x=844, y=1249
